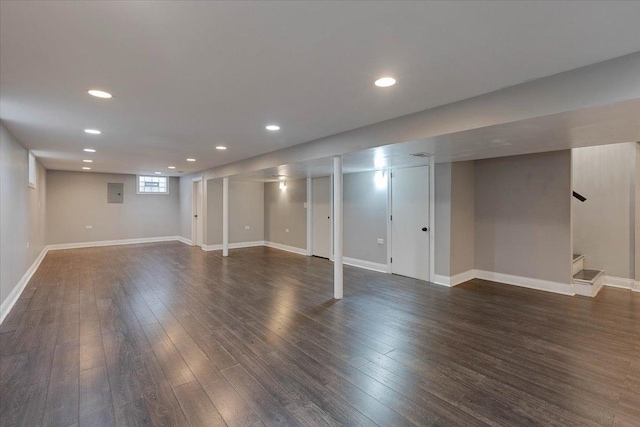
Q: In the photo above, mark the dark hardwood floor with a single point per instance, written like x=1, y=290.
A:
x=165, y=334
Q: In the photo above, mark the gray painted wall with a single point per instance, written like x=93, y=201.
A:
x=455, y=218
x=22, y=213
x=185, y=209
x=443, y=219
x=77, y=199
x=284, y=209
x=636, y=195
x=462, y=217
x=523, y=216
x=365, y=218
x=604, y=225
x=246, y=208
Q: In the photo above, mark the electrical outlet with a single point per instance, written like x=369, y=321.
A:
x=88, y=227
x=246, y=227
x=381, y=241
x=286, y=230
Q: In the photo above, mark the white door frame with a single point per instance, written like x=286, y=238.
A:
x=432, y=219
x=195, y=230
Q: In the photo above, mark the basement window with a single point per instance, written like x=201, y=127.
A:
x=32, y=170
x=153, y=184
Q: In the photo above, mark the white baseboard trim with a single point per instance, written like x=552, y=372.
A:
x=618, y=282
x=113, y=242
x=636, y=287
x=12, y=298
x=527, y=282
x=299, y=251
x=184, y=240
x=238, y=245
x=455, y=280
x=368, y=265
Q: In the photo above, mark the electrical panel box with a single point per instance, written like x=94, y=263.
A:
x=115, y=192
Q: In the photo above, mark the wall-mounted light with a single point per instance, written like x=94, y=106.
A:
x=282, y=185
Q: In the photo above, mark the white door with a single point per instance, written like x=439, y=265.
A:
x=321, y=206
x=197, y=229
x=410, y=222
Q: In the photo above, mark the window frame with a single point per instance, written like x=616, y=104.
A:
x=165, y=193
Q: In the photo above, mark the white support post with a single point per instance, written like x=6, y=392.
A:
x=225, y=216
x=309, y=217
x=337, y=228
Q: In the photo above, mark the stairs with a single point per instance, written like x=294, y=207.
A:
x=586, y=282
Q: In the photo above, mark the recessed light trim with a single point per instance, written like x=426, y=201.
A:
x=191, y=160
x=221, y=147
x=171, y=167
x=99, y=93
x=385, y=82
x=93, y=131
x=86, y=168
x=88, y=161
x=272, y=127
x=89, y=150
x=158, y=173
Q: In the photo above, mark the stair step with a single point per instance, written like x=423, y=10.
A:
x=589, y=276
x=578, y=263
x=588, y=282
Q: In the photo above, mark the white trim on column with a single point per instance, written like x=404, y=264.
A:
x=636, y=286
x=367, y=265
x=389, y=234
x=618, y=282
x=432, y=218
x=338, y=270
x=299, y=251
x=454, y=280
x=527, y=282
x=225, y=216
x=309, y=216
x=238, y=245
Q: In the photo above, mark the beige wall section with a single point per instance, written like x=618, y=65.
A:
x=523, y=216
x=246, y=208
x=76, y=199
x=636, y=195
x=462, y=217
x=443, y=219
x=185, y=209
x=22, y=213
x=604, y=225
x=365, y=218
x=284, y=209
x=455, y=218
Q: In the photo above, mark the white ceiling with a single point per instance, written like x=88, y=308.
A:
x=187, y=76
x=615, y=123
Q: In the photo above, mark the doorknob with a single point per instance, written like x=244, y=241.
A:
x=195, y=216
x=425, y=229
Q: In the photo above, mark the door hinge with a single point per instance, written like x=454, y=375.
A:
x=391, y=260
x=391, y=218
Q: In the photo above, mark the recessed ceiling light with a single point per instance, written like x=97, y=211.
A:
x=191, y=160
x=385, y=82
x=88, y=161
x=273, y=127
x=86, y=168
x=99, y=93
x=89, y=150
x=171, y=167
x=158, y=173
x=93, y=131
x=221, y=147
